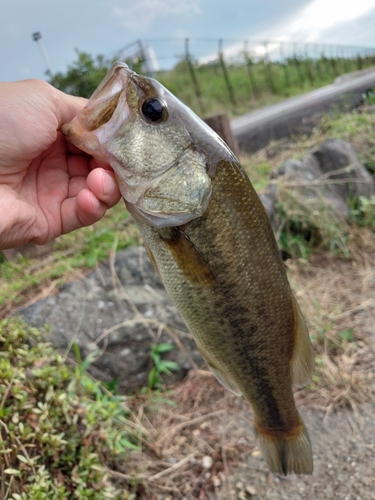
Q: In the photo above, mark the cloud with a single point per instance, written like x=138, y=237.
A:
x=143, y=13
x=321, y=16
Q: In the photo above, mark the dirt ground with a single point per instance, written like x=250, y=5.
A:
x=206, y=442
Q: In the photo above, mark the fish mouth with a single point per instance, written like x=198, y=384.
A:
x=104, y=100
x=103, y=114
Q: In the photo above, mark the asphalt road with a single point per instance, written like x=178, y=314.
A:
x=300, y=114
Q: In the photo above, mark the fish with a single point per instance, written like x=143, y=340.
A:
x=209, y=238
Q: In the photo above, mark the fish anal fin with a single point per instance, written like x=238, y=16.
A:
x=287, y=452
x=302, y=362
x=219, y=374
x=189, y=259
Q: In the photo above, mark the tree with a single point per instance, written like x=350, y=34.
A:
x=83, y=75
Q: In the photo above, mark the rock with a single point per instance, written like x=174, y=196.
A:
x=268, y=198
x=251, y=490
x=303, y=177
x=105, y=306
x=340, y=157
x=323, y=181
x=207, y=462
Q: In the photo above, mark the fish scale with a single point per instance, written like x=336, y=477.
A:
x=208, y=236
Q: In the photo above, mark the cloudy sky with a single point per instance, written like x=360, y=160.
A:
x=105, y=26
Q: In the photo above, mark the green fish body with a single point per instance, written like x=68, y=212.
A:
x=208, y=236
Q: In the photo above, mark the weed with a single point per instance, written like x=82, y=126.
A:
x=160, y=365
x=59, y=428
x=362, y=211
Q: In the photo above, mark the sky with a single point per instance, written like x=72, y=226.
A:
x=105, y=26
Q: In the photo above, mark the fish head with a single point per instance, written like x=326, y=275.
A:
x=163, y=155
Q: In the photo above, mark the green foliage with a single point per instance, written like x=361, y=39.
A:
x=369, y=97
x=59, y=429
x=81, y=250
x=83, y=75
x=362, y=211
x=251, y=83
x=160, y=365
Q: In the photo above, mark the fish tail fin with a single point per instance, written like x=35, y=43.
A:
x=287, y=452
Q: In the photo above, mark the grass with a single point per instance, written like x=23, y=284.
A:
x=59, y=429
x=24, y=279
x=253, y=85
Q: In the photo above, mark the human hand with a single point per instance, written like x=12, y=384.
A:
x=47, y=186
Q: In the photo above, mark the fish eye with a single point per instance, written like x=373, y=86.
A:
x=153, y=108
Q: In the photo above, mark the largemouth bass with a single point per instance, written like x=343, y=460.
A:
x=208, y=236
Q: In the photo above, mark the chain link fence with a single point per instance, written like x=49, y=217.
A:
x=236, y=76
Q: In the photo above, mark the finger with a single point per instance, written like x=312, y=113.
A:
x=76, y=184
x=104, y=186
x=66, y=106
x=83, y=210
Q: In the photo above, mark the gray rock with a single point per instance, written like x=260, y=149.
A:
x=97, y=306
x=325, y=179
x=339, y=161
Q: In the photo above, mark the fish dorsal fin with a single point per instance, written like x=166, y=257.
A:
x=219, y=374
x=302, y=362
x=188, y=258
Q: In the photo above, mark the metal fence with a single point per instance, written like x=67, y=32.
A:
x=230, y=72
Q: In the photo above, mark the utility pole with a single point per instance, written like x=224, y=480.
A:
x=37, y=37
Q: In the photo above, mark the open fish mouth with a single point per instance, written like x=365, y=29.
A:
x=104, y=113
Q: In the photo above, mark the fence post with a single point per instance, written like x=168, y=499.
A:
x=249, y=66
x=285, y=67
x=333, y=61
x=317, y=61
x=308, y=65
x=269, y=70
x=193, y=76
x=226, y=76
x=221, y=125
x=298, y=66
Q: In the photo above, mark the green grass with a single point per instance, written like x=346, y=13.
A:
x=60, y=430
x=268, y=83
x=73, y=254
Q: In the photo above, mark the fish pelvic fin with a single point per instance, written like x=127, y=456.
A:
x=225, y=380
x=286, y=452
x=302, y=362
x=222, y=377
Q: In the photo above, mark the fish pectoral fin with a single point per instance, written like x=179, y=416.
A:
x=152, y=258
x=302, y=362
x=189, y=259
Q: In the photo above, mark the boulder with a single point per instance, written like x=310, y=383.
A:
x=128, y=308
x=323, y=181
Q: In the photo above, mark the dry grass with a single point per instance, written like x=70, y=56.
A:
x=338, y=299
x=198, y=420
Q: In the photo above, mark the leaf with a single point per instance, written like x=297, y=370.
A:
x=347, y=334
x=12, y=472
x=163, y=347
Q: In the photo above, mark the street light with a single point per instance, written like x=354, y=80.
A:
x=37, y=37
